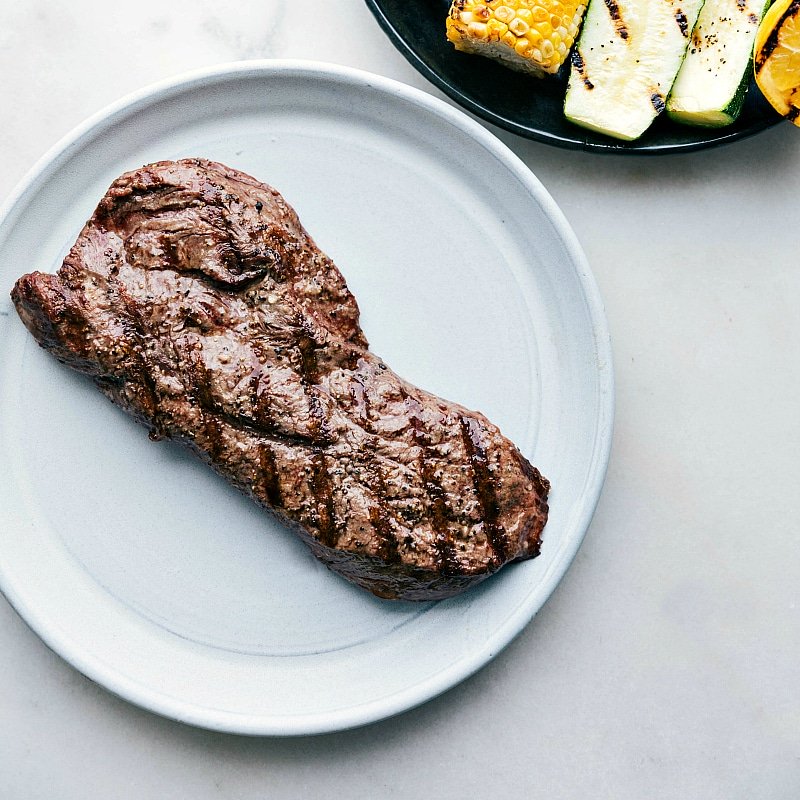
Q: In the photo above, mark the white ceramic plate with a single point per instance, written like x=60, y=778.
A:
x=152, y=576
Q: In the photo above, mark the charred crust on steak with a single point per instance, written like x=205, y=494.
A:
x=196, y=301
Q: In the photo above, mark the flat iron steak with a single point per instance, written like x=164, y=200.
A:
x=196, y=301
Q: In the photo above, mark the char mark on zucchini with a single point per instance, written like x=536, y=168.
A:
x=683, y=22
x=658, y=102
x=616, y=17
x=580, y=65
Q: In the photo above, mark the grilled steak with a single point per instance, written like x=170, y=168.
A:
x=198, y=303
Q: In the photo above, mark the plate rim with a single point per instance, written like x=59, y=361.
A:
x=536, y=134
x=354, y=716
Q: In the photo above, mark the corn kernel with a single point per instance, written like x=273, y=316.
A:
x=509, y=39
x=496, y=29
x=525, y=15
x=540, y=14
x=519, y=27
x=555, y=21
x=466, y=17
x=477, y=30
x=547, y=49
x=522, y=47
x=482, y=13
x=504, y=14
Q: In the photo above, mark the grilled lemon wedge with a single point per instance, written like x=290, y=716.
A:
x=776, y=58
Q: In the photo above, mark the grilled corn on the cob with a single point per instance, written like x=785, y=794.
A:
x=532, y=36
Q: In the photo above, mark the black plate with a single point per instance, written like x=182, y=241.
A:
x=531, y=107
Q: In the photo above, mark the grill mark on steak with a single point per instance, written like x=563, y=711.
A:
x=212, y=433
x=326, y=513
x=322, y=435
x=360, y=398
x=436, y=509
x=270, y=477
x=378, y=514
x=485, y=487
x=266, y=432
x=380, y=518
x=307, y=348
x=135, y=355
x=195, y=300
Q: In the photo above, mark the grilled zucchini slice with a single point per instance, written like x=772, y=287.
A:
x=711, y=84
x=625, y=62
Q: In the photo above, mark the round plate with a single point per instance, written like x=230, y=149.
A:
x=155, y=578
x=529, y=107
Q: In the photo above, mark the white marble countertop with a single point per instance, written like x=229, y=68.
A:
x=666, y=663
